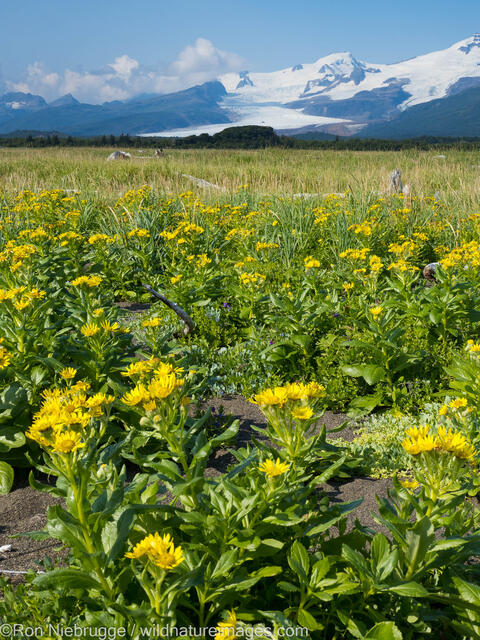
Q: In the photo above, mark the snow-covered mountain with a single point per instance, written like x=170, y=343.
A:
x=337, y=94
x=341, y=76
x=340, y=91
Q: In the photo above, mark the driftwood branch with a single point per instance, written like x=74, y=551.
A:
x=183, y=315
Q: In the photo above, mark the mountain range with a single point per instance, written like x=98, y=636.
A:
x=434, y=94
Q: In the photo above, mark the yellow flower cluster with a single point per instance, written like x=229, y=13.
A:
x=251, y=278
x=420, y=440
x=266, y=245
x=133, y=197
x=69, y=236
x=92, y=328
x=88, y=281
x=473, y=348
x=375, y=264
x=403, y=250
x=34, y=234
x=403, y=266
x=152, y=322
x=467, y=254
x=100, y=237
x=149, y=394
x=355, y=254
x=242, y=263
x=159, y=550
x=311, y=262
x=16, y=254
x=201, y=260
x=64, y=415
x=364, y=228
x=21, y=297
x=142, y=367
x=139, y=233
x=184, y=228
x=294, y=391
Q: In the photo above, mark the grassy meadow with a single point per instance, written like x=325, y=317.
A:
x=300, y=305
x=270, y=171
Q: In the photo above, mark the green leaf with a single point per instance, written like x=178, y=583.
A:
x=11, y=438
x=123, y=527
x=364, y=404
x=379, y=548
x=225, y=563
x=299, y=561
x=319, y=571
x=410, y=589
x=384, y=631
x=6, y=477
x=469, y=592
x=371, y=373
x=343, y=509
x=418, y=541
x=356, y=560
x=307, y=621
x=66, y=579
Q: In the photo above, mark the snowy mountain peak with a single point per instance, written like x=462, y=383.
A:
x=470, y=43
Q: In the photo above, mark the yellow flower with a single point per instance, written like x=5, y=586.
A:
x=100, y=237
x=455, y=442
x=160, y=551
x=5, y=358
x=89, y=281
x=270, y=397
x=67, y=441
x=152, y=322
x=272, y=469
x=98, y=399
x=135, y=368
x=409, y=483
x=176, y=279
x=108, y=326
x=228, y=628
x=376, y=311
x=137, y=395
x=89, y=330
x=315, y=390
x=420, y=441
x=68, y=373
x=22, y=304
x=458, y=403
x=302, y=413
x=443, y=410
x=139, y=233
x=296, y=390
x=163, y=386
x=311, y=262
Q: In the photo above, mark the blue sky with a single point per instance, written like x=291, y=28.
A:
x=47, y=46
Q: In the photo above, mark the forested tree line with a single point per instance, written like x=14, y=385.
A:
x=250, y=137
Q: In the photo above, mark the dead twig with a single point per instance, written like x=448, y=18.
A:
x=183, y=315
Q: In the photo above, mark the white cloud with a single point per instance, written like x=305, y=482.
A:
x=125, y=77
